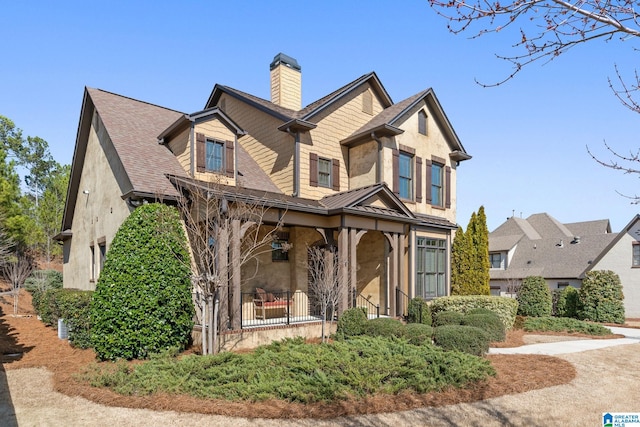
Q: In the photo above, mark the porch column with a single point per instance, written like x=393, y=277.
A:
x=393, y=273
x=353, y=264
x=223, y=269
x=401, y=269
x=236, y=300
x=343, y=271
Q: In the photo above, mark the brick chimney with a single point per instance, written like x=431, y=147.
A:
x=286, y=82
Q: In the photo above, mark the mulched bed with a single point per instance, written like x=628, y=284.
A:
x=39, y=346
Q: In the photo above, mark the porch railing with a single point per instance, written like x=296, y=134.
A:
x=372, y=309
x=402, y=304
x=276, y=308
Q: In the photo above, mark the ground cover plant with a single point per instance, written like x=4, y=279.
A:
x=564, y=324
x=294, y=371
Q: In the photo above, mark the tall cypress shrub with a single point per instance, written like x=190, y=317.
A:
x=470, y=258
x=460, y=263
x=142, y=303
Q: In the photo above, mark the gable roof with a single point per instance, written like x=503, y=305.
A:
x=613, y=242
x=355, y=200
x=142, y=160
x=546, y=247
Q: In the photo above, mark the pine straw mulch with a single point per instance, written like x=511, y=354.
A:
x=39, y=346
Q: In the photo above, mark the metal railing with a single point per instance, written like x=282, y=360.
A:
x=276, y=308
x=372, y=309
x=402, y=304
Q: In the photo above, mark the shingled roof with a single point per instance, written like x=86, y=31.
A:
x=133, y=127
x=545, y=247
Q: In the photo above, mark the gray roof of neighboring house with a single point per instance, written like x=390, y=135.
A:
x=545, y=247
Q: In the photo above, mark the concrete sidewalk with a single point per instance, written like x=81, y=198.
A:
x=632, y=336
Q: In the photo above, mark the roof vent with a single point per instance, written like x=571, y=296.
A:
x=575, y=240
x=561, y=244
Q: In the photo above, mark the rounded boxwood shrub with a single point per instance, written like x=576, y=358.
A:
x=482, y=311
x=418, y=333
x=534, y=297
x=506, y=308
x=601, y=298
x=384, y=327
x=142, y=304
x=352, y=322
x=567, y=304
x=419, y=311
x=488, y=322
x=447, y=318
x=467, y=339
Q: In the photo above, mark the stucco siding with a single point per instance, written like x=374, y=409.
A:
x=98, y=213
x=619, y=259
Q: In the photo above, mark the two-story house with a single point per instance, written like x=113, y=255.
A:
x=374, y=178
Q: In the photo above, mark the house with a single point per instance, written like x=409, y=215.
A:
x=354, y=170
x=563, y=253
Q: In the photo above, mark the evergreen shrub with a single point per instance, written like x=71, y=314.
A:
x=447, y=318
x=419, y=311
x=601, y=298
x=488, y=322
x=418, y=333
x=506, y=308
x=467, y=339
x=567, y=304
x=352, y=322
x=142, y=304
x=385, y=327
x=534, y=297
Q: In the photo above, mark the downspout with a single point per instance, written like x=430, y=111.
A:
x=192, y=155
x=296, y=162
x=379, y=167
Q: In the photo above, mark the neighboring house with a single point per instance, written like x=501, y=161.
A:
x=354, y=170
x=563, y=253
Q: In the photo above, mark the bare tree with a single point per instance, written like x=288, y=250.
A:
x=16, y=270
x=226, y=230
x=325, y=283
x=547, y=29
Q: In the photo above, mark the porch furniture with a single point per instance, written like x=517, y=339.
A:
x=264, y=302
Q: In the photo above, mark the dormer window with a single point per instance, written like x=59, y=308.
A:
x=215, y=156
x=497, y=260
x=422, y=122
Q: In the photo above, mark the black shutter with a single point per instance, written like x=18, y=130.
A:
x=313, y=169
x=418, y=179
x=229, y=158
x=200, y=152
x=447, y=187
x=335, y=174
x=427, y=180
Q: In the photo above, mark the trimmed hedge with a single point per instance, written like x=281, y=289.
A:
x=447, y=318
x=467, y=339
x=418, y=333
x=384, y=327
x=488, y=322
x=567, y=303
x=352, y=322
x=534, y=297
x=601, y=298
x=564, y=324
x=505, y=308
x=143, y=304
x=419, y=311
x=69, y=304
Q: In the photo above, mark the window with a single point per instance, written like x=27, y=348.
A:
x=324, y=172
x=563, y=285
x=436, y=184
x=92, y=276
x=431, y=267
x=422, y=122
x=280, y=247
x=103, y=254
x=495, y=291
x=215, y=156
x=405, y=176
x=496, y=260
x=636, y=254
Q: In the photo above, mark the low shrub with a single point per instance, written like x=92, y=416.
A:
x=352, y=323
x=488, y=322
x=44, y=302
x=467, y=339
x=419, y=311
x=534, y=297
x=74, y=307
x=293, y=371
x=384, y=327
x=506, y=308
x=418, y=333
x=43, y=280
x=447, y=318
x=567, y=303
x=482, y=311
x=601, y=298
x=564, y=324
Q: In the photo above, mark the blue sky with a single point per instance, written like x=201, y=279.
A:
x=527, y=137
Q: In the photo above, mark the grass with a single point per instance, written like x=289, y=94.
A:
x=564, y=324
x=294, y=371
